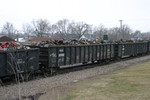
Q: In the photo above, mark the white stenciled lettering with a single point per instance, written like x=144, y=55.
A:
x=61, y=55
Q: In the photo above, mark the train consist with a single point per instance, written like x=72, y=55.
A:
x=50, y=59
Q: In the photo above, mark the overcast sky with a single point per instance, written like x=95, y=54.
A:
x=135, y=13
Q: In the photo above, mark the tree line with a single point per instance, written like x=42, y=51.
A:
x=67, y=29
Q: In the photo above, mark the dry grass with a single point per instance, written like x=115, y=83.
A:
x=129, y=84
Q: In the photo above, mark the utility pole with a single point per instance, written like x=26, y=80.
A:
x=120, y=23
x=121, y=28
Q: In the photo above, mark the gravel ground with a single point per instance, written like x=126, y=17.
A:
x=43, y=85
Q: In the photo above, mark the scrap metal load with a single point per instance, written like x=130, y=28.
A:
x=62, y=42
x=66, y=42
x=77, y=42
x=11, y=46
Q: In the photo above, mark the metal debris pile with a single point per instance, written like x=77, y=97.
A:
x=17, y=45
x=78, y=42
x=4, y=46
x=62, y=42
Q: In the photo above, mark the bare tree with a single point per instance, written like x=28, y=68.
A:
x=9, y=29
x=62, y=28
x=125, y=32
x=81, y=28
x=113, y=33
x=41, y=27
x=120, y=33
x=53, y=30
x=27, y=29
x=146, y=35
x=99, y=31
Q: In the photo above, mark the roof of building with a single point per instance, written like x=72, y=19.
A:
x=38, y=39
x=5, y=39
x=1, y=35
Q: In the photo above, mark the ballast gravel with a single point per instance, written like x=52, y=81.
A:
x=11, y=92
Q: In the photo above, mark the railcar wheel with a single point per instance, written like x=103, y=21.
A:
x=50, y=71
x=98, y=61
x=84, y=63
x=93, y=62
x=107, y=61
x=118, y=58
x=54, y=70
x=45, y=71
